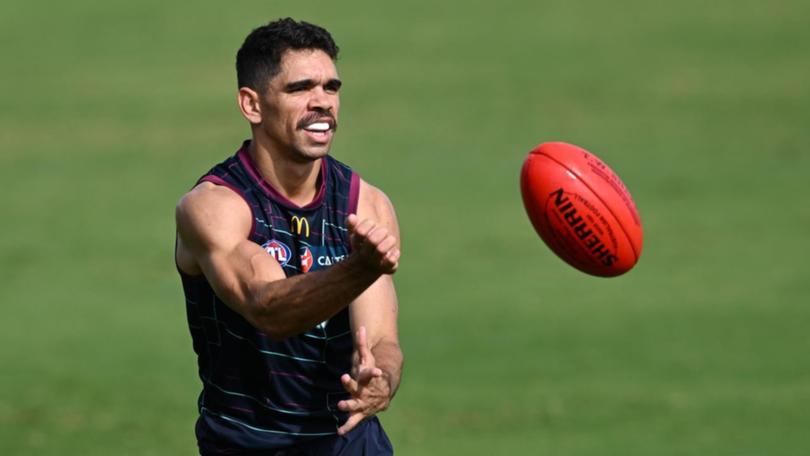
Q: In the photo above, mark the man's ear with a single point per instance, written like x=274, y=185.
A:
x=249, y=104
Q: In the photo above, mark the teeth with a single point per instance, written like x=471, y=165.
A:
x=319, y=126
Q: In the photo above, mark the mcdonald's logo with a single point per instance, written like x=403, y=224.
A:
x=299, y=224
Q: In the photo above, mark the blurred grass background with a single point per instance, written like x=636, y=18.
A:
x=110, y=110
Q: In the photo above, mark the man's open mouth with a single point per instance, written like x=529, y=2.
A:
x=318, y=127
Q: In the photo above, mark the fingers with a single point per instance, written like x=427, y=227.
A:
x=361, y=229
x=364, y=377
x=392, y=257
x=377, y=235
x=367, y=364
x=386, y=244
x=364, y=399
x=351, y=405
x=361, y=344
x=350, y=424
x=375, y=243
x=367, y=233
x=360, y=339
x=349, y=384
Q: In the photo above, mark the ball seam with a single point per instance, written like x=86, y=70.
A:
x=579, y=177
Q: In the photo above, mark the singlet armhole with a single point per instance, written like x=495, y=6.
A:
x=354, y=193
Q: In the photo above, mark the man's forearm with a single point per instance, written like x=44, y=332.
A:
x=388, y=357
x=293, y=305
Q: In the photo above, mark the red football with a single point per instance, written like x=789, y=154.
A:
x=581, y=209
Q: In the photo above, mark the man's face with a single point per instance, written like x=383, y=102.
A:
x=300, y=105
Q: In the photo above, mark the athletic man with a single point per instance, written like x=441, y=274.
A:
x=286, y=257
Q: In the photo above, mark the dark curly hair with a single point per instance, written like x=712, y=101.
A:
x=259, y=58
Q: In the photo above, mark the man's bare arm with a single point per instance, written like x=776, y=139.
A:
x=212, y=225
x=377, y=366
x=377, y=307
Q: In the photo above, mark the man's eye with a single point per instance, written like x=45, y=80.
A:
x=299, y=86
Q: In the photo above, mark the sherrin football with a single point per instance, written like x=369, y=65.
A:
x=581, y=209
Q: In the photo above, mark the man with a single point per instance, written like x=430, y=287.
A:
x=286, y=257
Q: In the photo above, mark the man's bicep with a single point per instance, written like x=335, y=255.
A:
x=239, y=275
x=375, y=205
x=212, y=226
x=377, y=307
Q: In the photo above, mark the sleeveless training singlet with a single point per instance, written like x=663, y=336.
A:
x=258, y=393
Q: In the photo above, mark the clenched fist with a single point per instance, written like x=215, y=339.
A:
x=374, y=245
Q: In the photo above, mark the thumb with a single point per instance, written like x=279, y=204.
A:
x=352, y=220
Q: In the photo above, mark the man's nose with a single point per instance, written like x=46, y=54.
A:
x=321, y=100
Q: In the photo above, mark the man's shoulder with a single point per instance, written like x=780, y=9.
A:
x=374, y=203
x=209, y=194
x=208, y=202
x=371, y=194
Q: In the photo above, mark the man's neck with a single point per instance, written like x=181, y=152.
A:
x=296, y=181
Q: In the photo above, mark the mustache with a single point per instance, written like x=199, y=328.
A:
x=318, y=117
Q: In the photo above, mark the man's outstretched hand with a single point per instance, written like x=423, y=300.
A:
x=370, y=390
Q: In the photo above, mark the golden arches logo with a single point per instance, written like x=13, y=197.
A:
x=299, y=224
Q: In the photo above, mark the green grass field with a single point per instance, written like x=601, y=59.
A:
x=109, y=111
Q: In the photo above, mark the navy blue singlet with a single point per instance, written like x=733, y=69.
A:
x=259, y=394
